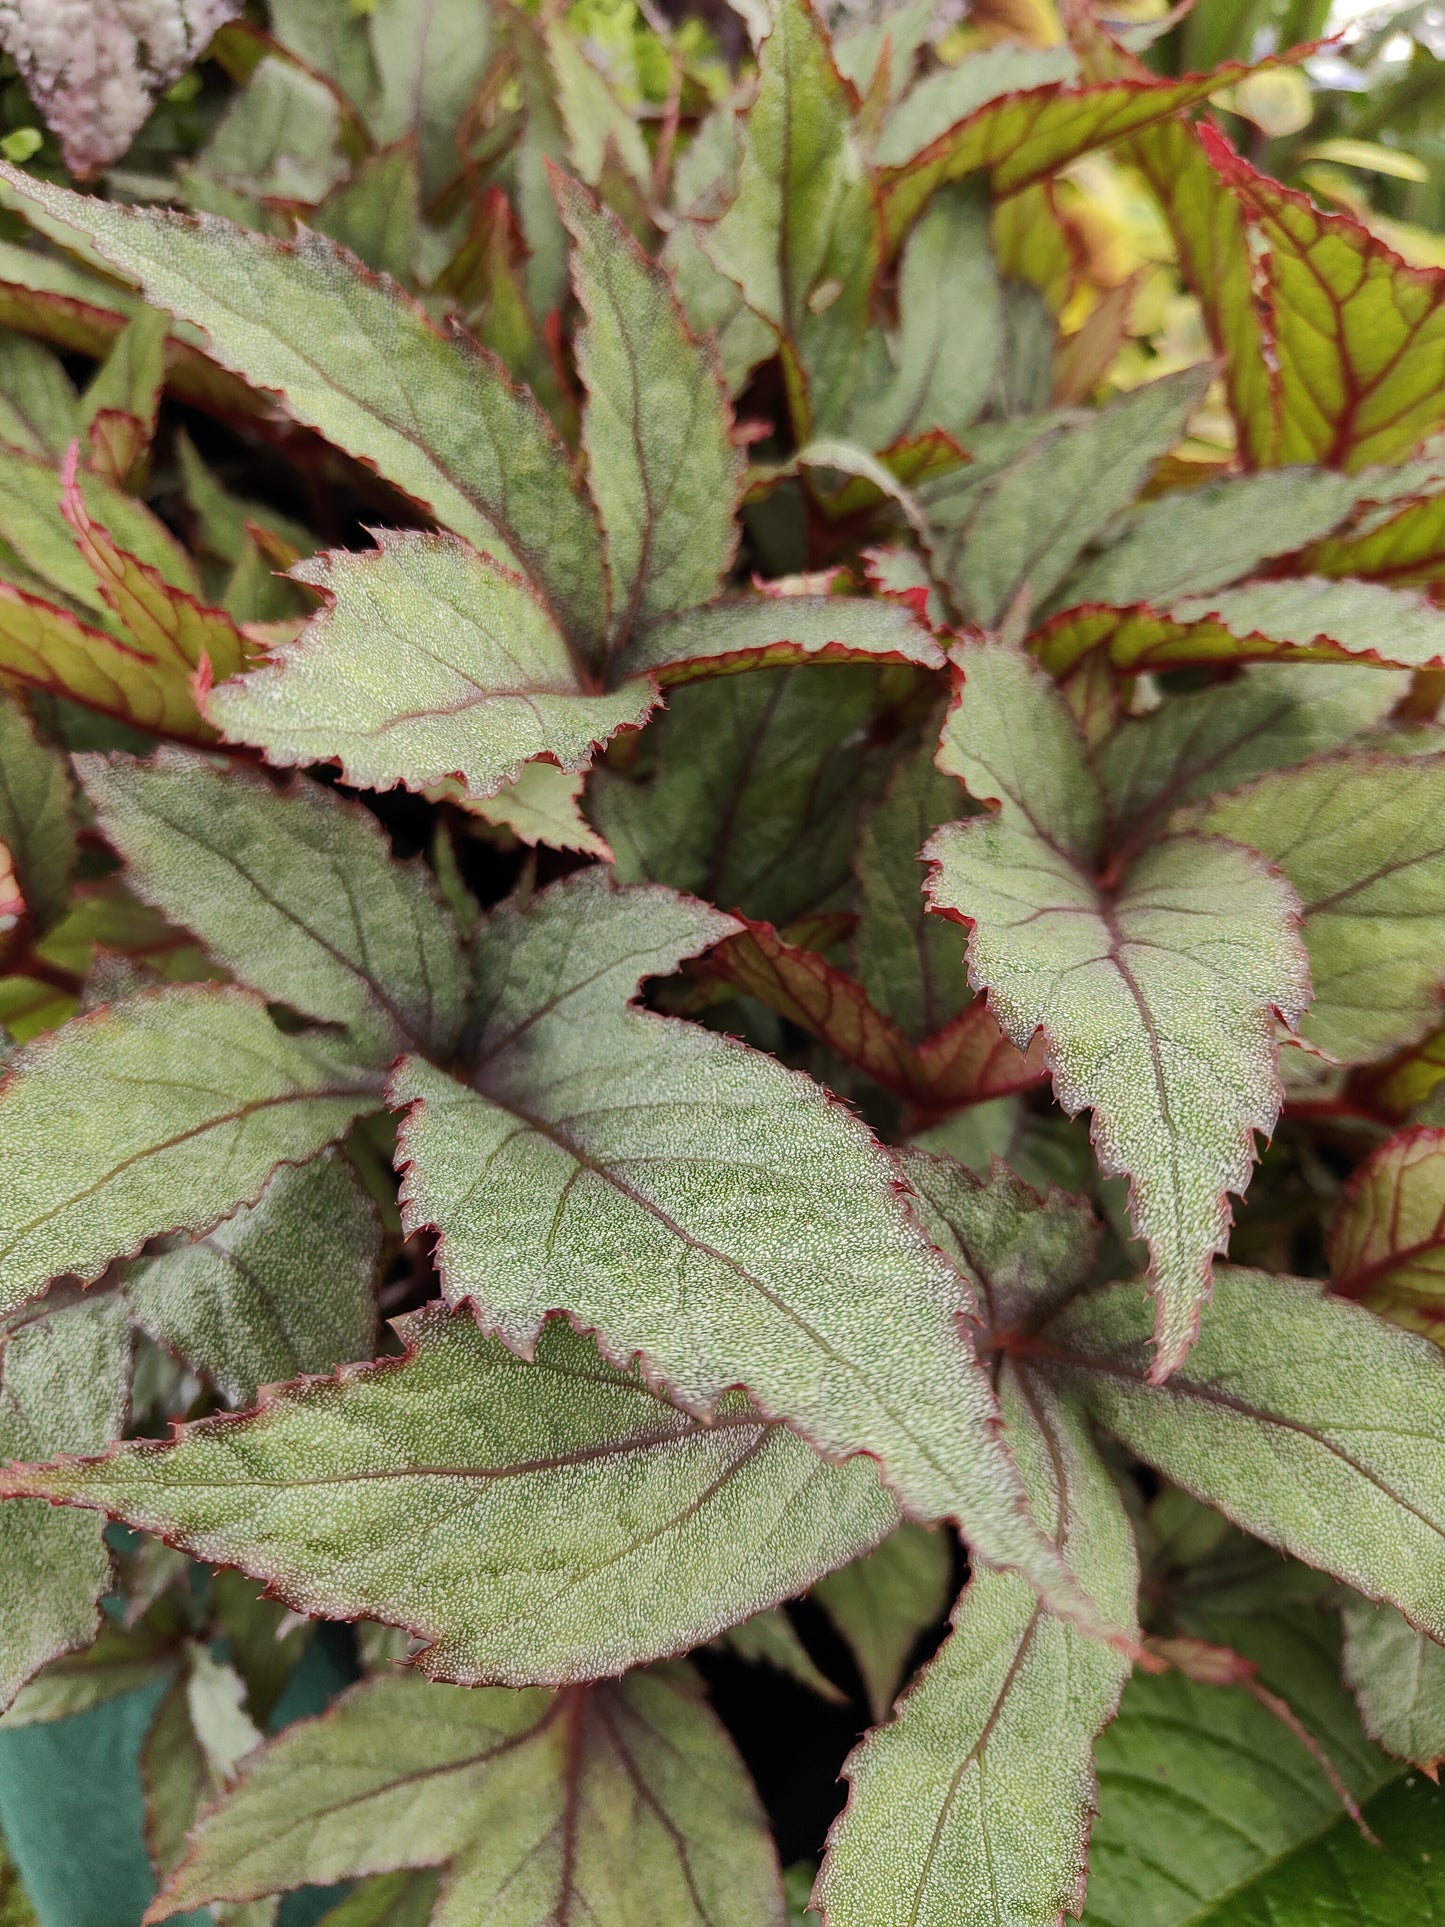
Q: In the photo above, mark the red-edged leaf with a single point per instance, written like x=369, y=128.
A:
x=1023, y=137
x=1358, y=335
x=1386, y=1242
x=180, y=634
x=764, y=631
x=1395, y=1088
x=965, y=1063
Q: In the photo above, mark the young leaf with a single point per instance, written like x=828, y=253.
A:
x=1356, y=333
x=770, y=1639
x=294, y=891
x=282, y=1287
x=95, y=72
x=66, y=1369
x=614, y=1804
x=1386, y=1241
x=759, y=632
x=950, y=95
x=196, y=1740
x=36, y=824
x=1156, y=994
x=121, y=406
x=807, y=1283
x=1309, y=1422
x=661, y=462
x=1030, y=524
x=430, y=61
x=882, y=1603
x=159, y=1113
x=360, y=363
x=428, y=661
x=973, y=1806
x=1358, y=836
x=539, y=1522
x=753, y=798
x=801, y=237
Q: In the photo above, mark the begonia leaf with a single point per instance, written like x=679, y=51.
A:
x=161, y=1112
x=662, y=466
x=295, y=892
x=974, y=1804
x=37, y=825
x=281, y=1287
x=809, y=1285
x=430, y=64
x=66, y=1368
x=610, y=1802
x=1398, y=1678
x=1386, y=1242
x=760, y=632
x=1305, y=1419
x=1358, y=837
x=363, y=365
x=882, y=1603
x=531, y=1522
x=428, y=661
x=1156, y=993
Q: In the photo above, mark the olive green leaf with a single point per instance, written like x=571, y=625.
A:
x=616, y=1804
x=1156, y=992
x=162, y=1112
x=539, y=1522
x=592, y=1160
x=294, y=891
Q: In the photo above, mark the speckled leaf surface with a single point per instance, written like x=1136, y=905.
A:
x=756, y=632
x=362, y=364
x=162, y=1112
x=281, y=1287
x=65, y=1373
x=614, y=1803
x=1398, y=1678
x=1156, y=995
x=1307, y=1420
x=294, y=891
x=532, y=1523
x=429, y=661
x=1386, y=1241
x=766, y=1242
x=973, y=1805
x=1358, y=836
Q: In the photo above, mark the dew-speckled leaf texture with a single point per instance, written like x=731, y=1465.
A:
x=544, y=805
x=973, y=1806
x=533, y=1523
x=1031, y=522
x=1202, y=1791
x=1193, y=540
x=613, y=1804
x=294, y=891
x=1357, y=335
x=1398, y=1678
x=1362, y=839
x=1024, y=1254
x=884, y=1602
x=281, y=1287
x=1156, y=995
x=1307, y=1420
x=661, y=462
x=1386, y=1241
x=1271, y=716
x=65, y=1367
x=95, y=67
x=696, y=1203
x=753, y=792
x=358, y=361
x=159, y=1113
x=428, y=661
x=802, y=238
x=37, y=825
x=755, y=632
